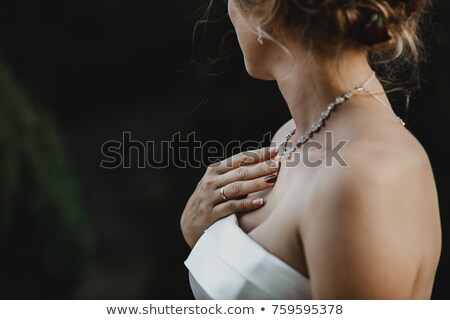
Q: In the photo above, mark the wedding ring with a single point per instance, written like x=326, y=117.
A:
x=222, y=194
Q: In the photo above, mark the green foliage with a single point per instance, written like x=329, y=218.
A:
x=44, y=238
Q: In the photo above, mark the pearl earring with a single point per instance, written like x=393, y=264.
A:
x=260, y=35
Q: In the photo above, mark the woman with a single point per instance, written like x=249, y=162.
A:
x=363, y=225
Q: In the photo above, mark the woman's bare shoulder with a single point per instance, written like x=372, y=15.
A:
x=384, y=171
x=374, y=222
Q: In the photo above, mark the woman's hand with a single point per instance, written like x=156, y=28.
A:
x=219, y=193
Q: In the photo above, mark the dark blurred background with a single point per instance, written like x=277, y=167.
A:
x=77, y=73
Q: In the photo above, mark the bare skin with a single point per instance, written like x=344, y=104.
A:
x=370, y=230
x=243, y=174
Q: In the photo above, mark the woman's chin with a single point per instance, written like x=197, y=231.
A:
x=257, y=72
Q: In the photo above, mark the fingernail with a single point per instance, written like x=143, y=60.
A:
x=273, y=150
x=274, y=164
x=271, y=179
x=258, y=202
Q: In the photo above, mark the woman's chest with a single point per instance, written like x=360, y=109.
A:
x=276, y=225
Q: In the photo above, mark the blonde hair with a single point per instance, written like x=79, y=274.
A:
x=327, y=26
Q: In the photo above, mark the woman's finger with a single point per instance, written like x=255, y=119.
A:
x=244, y=158
x=239, y=188
x=236, y=206
x=262, y=169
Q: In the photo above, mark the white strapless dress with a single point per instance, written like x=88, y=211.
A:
x=227, y=264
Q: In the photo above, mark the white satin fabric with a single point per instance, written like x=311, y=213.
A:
x=226, y=264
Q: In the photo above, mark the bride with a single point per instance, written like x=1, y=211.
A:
x=352, y=218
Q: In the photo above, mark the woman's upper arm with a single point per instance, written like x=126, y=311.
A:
x=355, y=245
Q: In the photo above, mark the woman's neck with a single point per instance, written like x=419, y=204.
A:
x=309, y=87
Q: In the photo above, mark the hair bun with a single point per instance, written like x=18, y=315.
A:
x=386, y=26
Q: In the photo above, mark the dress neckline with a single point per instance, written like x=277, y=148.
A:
x=227, y=263
x=234, y=223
